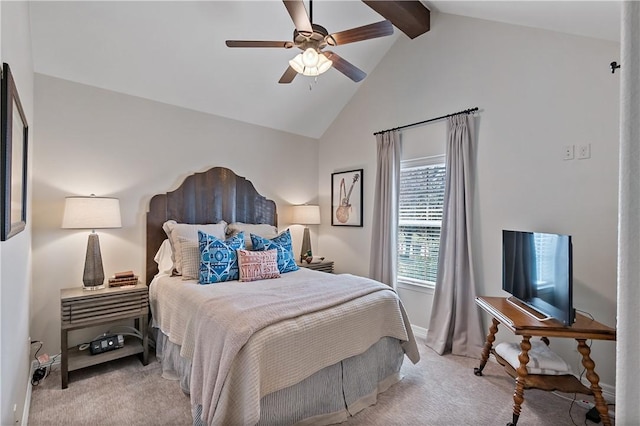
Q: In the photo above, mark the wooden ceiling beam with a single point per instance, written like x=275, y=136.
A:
x=411, y=17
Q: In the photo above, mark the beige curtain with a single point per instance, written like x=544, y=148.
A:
x=384, y=239
x=455, y=325
x=628, y=345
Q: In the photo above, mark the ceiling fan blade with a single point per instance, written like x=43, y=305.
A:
x=288, y=76
x=366, y=32
x=259, y=43
x=299, y=16
x=410, y=17
x=345, y=67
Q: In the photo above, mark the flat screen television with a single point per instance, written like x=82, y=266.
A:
x=537, y=270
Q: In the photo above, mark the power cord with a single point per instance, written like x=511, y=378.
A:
x=43, y=369
x=38, y=375
x=35, y=342
x=585, y=313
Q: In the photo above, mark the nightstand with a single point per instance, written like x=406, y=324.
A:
x=324, y=266
x=87, y=308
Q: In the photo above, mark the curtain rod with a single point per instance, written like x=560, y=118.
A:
x=466, y=111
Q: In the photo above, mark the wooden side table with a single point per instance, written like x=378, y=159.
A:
x=82, y=308
x=505, y=313
x=324, y=266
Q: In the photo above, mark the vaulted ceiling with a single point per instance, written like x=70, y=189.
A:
x=174, y=52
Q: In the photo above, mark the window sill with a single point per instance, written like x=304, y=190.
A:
x=422, y=288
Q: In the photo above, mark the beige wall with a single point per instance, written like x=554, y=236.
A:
x=537, y=91
x=91, y=140
x=15, y=253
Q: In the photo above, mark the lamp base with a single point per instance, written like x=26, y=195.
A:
x=306, y=245
x=95, y=287
x=93, y=277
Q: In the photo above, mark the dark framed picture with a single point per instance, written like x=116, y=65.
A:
x=13, y=159
x=346, y=198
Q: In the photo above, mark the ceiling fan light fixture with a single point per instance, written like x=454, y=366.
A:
x=310, y=57
x=303, y=65
x=323, y=64
x=296, y=63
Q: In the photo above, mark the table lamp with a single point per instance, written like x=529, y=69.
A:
x=306, y=215
x=92, y=213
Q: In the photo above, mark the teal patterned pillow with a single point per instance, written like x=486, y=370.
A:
x=219, y=259
x=282, y=243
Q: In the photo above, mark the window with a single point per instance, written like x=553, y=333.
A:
x=422, y=184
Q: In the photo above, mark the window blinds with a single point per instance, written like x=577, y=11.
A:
x=420, y=221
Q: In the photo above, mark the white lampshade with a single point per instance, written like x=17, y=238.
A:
x=306, y=215
x=91, y=213
x=310, y=63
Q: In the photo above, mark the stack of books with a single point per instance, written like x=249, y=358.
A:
x=121, y=279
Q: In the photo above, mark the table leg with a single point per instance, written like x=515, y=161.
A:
x=145, y=340
x=64, y=361
x=518, y=395
x=594, y=379
x=491, y=337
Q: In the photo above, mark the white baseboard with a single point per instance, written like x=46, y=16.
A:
x=27, y=398
x=27, y=401
x=419, y=331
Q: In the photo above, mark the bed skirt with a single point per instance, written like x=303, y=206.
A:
x=329, y=396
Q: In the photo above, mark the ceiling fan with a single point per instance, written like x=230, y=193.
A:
x=312, y=39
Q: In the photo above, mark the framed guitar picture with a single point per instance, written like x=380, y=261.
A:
x=346, y=198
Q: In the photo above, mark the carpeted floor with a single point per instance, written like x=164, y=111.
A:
x=439, y=390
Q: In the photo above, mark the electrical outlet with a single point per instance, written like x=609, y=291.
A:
x=584, y=151
x=568, y=152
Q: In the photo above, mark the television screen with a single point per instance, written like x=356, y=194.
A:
x=537, y=270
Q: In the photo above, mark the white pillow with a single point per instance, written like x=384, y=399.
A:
x=189, y=232
x=542, y=360
x=263, y=230
x=163, y=258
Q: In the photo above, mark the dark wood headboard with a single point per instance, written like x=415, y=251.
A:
x=207, y=197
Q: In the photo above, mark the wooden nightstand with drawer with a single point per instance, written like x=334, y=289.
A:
x=81, y=308
x=324, y=266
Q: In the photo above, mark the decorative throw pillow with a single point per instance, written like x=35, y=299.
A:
x=190, y=259
x=219, y=259
x=282, y=243
x=262, y=229
x=258, y=265
x=174, y=230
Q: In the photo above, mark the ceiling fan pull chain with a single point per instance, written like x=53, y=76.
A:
x=315, y=81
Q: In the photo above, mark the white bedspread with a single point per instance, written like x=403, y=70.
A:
x=297, y=325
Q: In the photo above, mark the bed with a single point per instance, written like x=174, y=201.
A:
x=304, y=348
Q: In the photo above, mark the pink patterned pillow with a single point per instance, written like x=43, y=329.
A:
x=258, y=265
